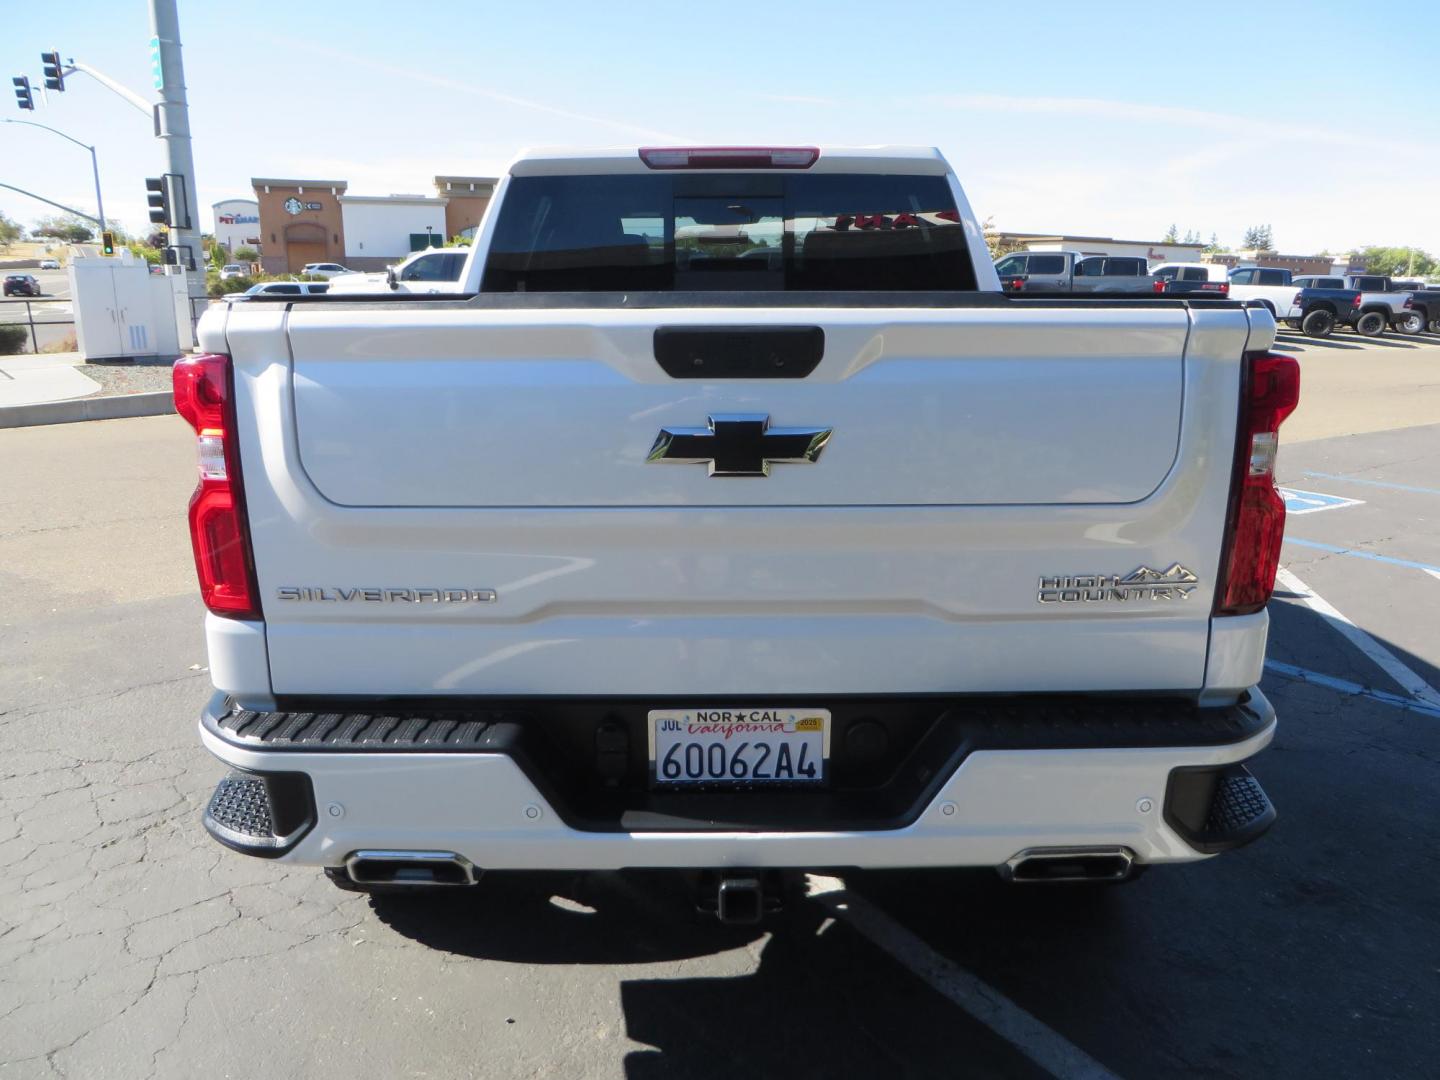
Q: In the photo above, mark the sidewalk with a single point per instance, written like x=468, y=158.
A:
x=30, y=379
x=60, y=388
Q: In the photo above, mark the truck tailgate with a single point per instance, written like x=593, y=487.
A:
x=972, y=407
x=977, y=453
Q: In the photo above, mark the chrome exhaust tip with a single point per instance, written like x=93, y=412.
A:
x=1062, y=864
x=410, y=868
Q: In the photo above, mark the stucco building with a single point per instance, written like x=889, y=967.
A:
x=304, y=221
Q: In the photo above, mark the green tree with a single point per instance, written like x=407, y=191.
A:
x=246, y=255
x=10, y=231
x=1259, y=238
x=1398, y=261
x=1214, y=246
x=67, y=227
x=1172, y=235
x=998, y=246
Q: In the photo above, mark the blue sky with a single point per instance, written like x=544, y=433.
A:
x=1102, y=118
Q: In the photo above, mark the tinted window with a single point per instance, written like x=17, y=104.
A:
x=319, y=287
x=1242, y=277
x=1014, y=264
x=1047, y=264
x=736, y=231
x=1195, y=273
x=1370, y=284
x=1274, y=277
x=1330, y=283
x=284, y=290
x=1091, y=267
x=1125, y=267
x=1170, y=273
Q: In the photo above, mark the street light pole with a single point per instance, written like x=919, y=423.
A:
x=174, y=128
x=94, y=162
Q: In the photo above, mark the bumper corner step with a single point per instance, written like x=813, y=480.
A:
x=264, y=814
x=1218, y=809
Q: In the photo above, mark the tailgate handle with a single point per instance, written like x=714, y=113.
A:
x=739, y=352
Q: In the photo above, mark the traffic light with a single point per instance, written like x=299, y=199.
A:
x=107, y=242
x=54, y=77
x=155, y=195
x=23, y=97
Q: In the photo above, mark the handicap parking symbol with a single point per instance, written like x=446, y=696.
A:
x=1310, y=502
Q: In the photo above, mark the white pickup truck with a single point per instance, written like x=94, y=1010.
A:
x=797, y=544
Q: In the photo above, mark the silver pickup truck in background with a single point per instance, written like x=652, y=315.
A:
x=1071, y=271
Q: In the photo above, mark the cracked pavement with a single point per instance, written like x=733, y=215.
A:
x=133, y=946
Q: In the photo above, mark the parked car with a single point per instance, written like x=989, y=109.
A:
x=1266, y=285
x=1410, y=318
x=230, y=271
x=1073, y=271
x=281, y=288
x=49, y=264
x=1318, y=309
x=21, y=285
x=1183, y=278
x=325, y=270
x=531, y=580
x=1379, y=307
x=433, y=270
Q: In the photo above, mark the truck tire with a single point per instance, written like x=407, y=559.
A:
x=1412, y=322
x=1318, y=323
x=1370, y=324
x=1293, y=324
x=1435, y=326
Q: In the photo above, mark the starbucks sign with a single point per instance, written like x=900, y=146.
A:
x=294, y=206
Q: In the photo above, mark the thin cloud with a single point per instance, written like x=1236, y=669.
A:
x=410, y=74
x=1172, y=116
x=794, y=99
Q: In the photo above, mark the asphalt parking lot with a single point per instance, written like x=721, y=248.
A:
x=132, y=946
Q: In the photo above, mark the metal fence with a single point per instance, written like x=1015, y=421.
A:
x=49, y=322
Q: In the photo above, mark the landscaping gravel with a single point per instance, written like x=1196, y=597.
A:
x=142, y=377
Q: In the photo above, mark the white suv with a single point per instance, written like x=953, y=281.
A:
x=325, y=270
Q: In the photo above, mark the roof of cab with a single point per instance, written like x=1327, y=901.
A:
x=563, y=161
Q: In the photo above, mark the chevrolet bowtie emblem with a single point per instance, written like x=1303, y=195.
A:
x=739, y=444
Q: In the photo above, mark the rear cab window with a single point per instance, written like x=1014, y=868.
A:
x=729, y=232
x=1047, y=264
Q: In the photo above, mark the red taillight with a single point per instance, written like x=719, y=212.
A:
x=204, y=396
x=1016, y=284
x=1356, y=301
x=729, y=157
x=1296, y=301
x=1158, y=287
x=1255, y=525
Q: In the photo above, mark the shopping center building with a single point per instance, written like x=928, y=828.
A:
x=306, y=221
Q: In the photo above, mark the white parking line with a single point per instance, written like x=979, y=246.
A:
x=1387, y=661
x=1345, y=686
x=1045, y=1047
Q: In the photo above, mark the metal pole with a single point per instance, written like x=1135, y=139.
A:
x=99, y=202
x=94, y=163
x=52, y=202
x=175, y=130
x=104, y=80
x=34, y=338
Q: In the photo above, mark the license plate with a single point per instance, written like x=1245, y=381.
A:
x=739, y=747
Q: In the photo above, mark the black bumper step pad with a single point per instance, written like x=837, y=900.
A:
x=1033, y=721
x=262, y=814
x=354, y=731
x=1218, y=809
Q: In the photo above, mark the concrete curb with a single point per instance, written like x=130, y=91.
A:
x=94, y=408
